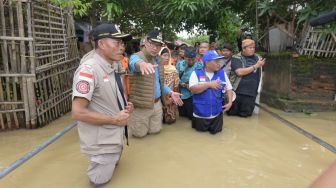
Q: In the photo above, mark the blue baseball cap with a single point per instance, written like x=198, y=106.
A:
x=211, y=55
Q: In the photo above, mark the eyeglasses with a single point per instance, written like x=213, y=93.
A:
x=154, y=45
x=250, y=47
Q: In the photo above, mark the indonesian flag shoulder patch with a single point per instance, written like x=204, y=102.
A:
x=202, y=78
x=105, y=78
x=86, y=74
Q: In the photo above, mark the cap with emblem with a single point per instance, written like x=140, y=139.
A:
x=109, y=31
x=155, y=36
x=211, y=55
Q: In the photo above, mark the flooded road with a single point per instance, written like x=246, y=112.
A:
x=251, y=152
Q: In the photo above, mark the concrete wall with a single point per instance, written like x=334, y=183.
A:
x=277, y=40
x=299, y=84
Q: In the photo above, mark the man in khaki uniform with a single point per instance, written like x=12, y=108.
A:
x=99, y=105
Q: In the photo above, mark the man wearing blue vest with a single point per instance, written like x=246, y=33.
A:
x=207, y=85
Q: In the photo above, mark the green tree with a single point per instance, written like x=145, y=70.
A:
x=196, y=38
x=80, y=8
x=223, y=17
x=293, y=13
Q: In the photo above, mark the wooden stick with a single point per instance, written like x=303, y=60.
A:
x=30, y=81
x=44, y=56
x=52, y=104
x=45, y=27
x=48, y=38
x=23, y=62
x=16, y=38
x=14, y=63
x=14, y=60
x=16, y=75
x=317, y=50
x=54, y=74
x=4, y=50
x=48, y=34
x=32, y=102
x=332, y=45
x=48, y=80
x=2, y=123
x=11, y=103
x=48, y=66
x=41, y=98
x=46, y=22
x=16, y=121
x=11, y=111
x=322, y=46
x=44, y=15
x=328, y=45
x=54, y=50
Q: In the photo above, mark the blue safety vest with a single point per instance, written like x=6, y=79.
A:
x=209, y=102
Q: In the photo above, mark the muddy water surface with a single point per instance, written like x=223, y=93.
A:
x=251, y=152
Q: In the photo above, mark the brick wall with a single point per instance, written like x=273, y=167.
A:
x=313, y=80
x=299, y=84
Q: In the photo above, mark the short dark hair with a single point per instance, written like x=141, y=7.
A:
x=197, y=44
x=96, y=43
x=227, y=46
x=182, y=46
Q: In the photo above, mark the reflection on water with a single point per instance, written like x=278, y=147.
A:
x=250, y=152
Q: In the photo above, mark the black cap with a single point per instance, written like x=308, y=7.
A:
x=109, y=31
x=155, y=36
x=183, y=46
x=227, y=46
x=190, y=52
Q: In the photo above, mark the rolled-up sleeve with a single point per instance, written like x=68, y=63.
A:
x=132, y=61
x=166, y=89
x=228, y=83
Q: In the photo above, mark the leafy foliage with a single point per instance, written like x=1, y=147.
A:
x=80, y=8
x=197, y=38
x=223, y=17
x=266, y=7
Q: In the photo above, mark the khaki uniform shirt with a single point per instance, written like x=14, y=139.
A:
x=95, y=81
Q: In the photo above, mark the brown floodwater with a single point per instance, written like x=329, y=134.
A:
x=256, y=152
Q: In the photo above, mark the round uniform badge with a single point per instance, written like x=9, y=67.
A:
x=83, y=87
